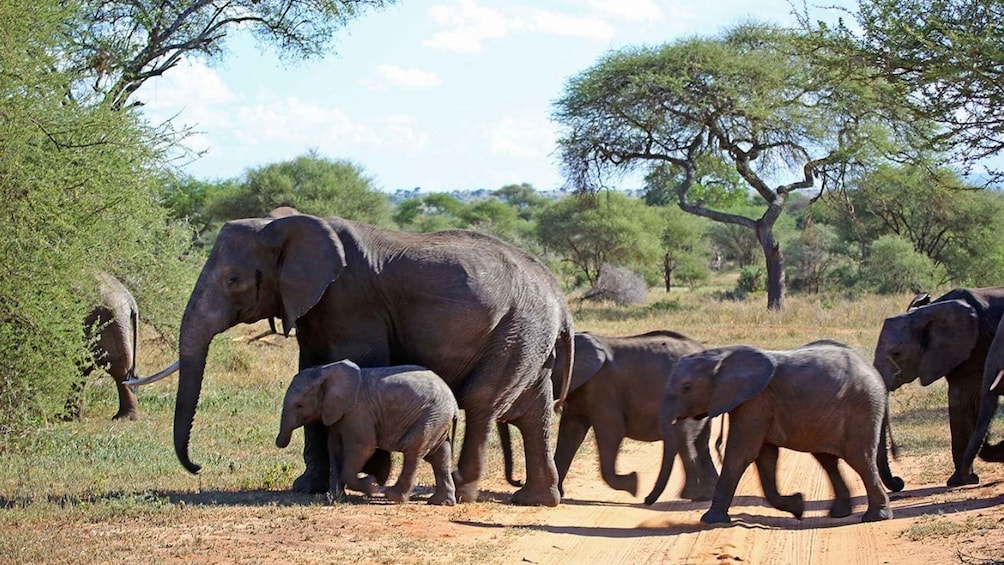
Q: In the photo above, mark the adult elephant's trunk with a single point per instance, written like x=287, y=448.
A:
x=196, y=335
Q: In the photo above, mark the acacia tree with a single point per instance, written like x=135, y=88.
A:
x=943, y=58
x=120, y=44
x=751, y=98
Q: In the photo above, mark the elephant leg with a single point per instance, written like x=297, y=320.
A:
x=992, y=452
x=472, y=456
x=315, y=477
x=962, y=408
x=378, y=466
x=692, y=441
x=864, y=464
x=766, y=466
x=352, y=463
x=608, y=442
x=747, y=433
x=977, y=441
x=441, y=461
x=541, y=488
x=572, y=429
x=841, y=506
x=400, y=492
x=128, y=406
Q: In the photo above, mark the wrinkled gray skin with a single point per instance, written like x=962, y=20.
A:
x=406, y=409
x=116, y=319
x=616, y=388
x=822, y=397
x=948, y=337
x=482, y=314
x=992, y=387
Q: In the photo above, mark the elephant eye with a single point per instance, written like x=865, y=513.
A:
x=232, y=280
x=685, y=388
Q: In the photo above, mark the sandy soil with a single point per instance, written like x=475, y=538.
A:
x=595, y=524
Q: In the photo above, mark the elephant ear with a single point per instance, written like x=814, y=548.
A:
x=950, y=331
x=741, y=373
x=340, y=384
x=309, y=257
x=591, y=353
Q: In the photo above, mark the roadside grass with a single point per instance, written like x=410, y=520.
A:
x=69, y=489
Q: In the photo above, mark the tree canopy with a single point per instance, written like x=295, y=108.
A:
x=752, y=98
x=117, y=45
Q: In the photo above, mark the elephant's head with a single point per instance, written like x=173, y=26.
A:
x=258, y=268
x=322, y=393
x=926, y=343
x=713, y=382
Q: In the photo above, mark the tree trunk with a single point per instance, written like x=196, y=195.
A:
x=775, y=265
x=667, y=272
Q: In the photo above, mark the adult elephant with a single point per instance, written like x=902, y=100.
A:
x=484, y=315
x=990, y=391
x=616, y=388
x=946, y=337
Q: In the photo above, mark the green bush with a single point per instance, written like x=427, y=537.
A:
x=893, y=266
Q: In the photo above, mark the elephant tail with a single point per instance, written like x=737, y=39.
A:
x=505, y=442
x=891, y=482
x=134, y=321
x=567, y=340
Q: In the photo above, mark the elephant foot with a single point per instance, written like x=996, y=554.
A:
x=443, y=499
x=627, y=483
x=957, y=480
x=992, y=452
x=311, y=482
x=794, y=504
x=876, y=515
x=539, y=497
x=697, y=492
x=715, y=516
x=396, y=495
x=125, y=415
x=466, y=492
x=841, y=508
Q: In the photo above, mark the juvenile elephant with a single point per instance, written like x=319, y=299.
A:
x=947, y=337
x=822, y=397
x=617, y=384
x=484, y=315
x=406, y=409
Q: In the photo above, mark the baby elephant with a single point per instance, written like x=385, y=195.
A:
x=405, y=408
x=822, y=398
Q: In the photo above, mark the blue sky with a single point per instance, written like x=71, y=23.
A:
x=443, y=95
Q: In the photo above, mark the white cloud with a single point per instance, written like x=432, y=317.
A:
x=467, y=26
x=292, y=121
x=574, y=26
x=521, y=138
x=191, y=87
x=390, y=76
x=634, y=10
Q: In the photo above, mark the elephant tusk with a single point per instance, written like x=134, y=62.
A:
x=997, y=381
x=173, y=367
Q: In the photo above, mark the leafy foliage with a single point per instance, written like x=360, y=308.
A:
x=117, y=45
x=78, y=189
x=893, y=266
x=310, y=183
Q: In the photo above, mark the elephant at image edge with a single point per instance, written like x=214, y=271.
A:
x=616, y=389
x=406, y=409
x=950, y=338
x=482, y=314
x=991, y=388
x=822, y=398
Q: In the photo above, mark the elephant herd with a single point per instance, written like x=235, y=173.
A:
x=398, y=331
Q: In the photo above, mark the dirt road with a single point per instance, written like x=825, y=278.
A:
x=932, y=526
